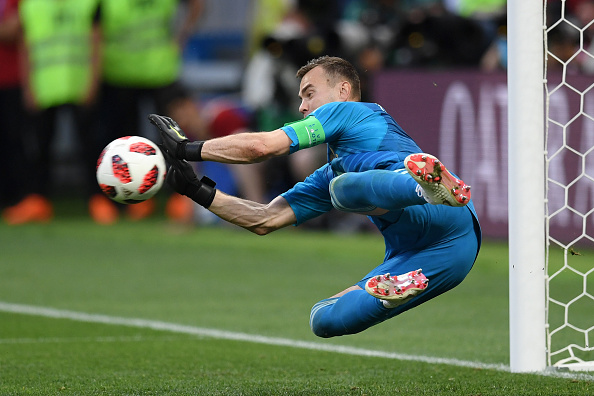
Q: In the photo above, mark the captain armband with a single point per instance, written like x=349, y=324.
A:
x=309, y=132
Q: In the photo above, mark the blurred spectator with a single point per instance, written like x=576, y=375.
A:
x=435, y=37
x=571, y=7
x=584, y=11
x=495, y=58
x=11, y=108
x=269, y=85
x=379, y=19
x=477, y=9
x=562, y=45
x=266, y=16
x=60, y=72
x=420, y=33
x=141, y=66
x=486, y=13
x=563, y=39
x=368, y=30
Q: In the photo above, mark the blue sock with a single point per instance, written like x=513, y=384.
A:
x=378, y=188
x=349, y=314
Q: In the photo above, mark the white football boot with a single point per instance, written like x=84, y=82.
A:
x=396, y=290
x=438, y=185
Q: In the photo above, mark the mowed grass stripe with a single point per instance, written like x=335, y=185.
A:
x=237, y=336
x=230, y=335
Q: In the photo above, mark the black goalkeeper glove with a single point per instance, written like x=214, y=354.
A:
x=181, y=177
x=175, y=140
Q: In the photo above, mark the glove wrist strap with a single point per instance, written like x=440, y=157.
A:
x=204, y=193
x=191, y=151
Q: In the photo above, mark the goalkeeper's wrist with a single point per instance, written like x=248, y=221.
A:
x=204, y=193
x=191, y=151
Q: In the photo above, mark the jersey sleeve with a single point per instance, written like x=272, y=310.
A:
x=325, y=125
x=311, y=197
x=305, y=133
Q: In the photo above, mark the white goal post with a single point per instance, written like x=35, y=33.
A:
x=526, y=185
x=551, y=190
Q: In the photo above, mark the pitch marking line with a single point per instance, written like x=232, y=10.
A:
x=72, y=340
x=236, y=336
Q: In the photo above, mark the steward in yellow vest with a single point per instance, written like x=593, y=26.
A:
x=139, y=46
x=61, y=69
x=58, y=35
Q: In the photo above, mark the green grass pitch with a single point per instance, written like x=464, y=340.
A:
x=228, y=281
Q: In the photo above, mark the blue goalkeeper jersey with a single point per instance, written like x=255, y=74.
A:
x=349, y=128
x=360, y=137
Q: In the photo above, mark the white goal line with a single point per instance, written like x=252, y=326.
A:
x=253, y=338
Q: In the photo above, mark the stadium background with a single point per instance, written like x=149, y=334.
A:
x=454, y=105
x=444, y=94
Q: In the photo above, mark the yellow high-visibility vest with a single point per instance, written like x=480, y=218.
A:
x=139, y=47
x=58, y=37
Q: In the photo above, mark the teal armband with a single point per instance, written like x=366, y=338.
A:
x=309, y=132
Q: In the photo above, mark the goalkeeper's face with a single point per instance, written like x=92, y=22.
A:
x=317, y=88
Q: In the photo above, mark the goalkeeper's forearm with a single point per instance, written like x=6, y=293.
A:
x=258, y=218
x=245, y=148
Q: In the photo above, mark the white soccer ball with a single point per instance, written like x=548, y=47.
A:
x=131, y=169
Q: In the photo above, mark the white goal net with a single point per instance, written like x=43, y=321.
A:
x=569, y=113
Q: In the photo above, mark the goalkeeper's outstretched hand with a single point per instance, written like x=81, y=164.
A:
x=175, y=140
x=181, y=177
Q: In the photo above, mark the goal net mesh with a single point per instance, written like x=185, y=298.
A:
x=569, y=112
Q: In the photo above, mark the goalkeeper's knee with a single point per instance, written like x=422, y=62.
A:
x=317, y=323
x=347, y=195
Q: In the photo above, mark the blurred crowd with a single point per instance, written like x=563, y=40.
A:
x=100, y=61
x=570, y=35
x=96, y=63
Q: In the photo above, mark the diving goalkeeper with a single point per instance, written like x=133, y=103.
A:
x=424, y=212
